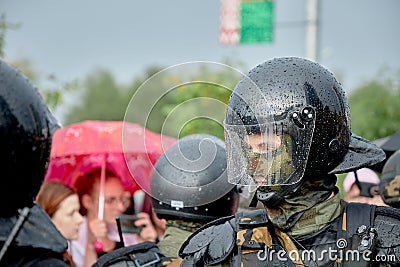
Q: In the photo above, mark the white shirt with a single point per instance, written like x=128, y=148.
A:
x=77, y=248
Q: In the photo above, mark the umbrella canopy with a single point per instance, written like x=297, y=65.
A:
x=128, y=149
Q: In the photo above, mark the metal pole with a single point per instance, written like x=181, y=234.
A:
x=312, y=30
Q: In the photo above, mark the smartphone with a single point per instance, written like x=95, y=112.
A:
x=126, y=224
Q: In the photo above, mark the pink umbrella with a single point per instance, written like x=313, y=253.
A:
x=128, y=149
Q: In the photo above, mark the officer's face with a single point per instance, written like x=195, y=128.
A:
x=258, y=144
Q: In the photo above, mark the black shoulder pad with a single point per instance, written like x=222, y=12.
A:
x=387, y=224
x=388, y=211
x=211, y=244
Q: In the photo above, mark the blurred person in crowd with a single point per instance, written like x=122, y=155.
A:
x=95, y=229
x=160, y=225
x=27, y=235
x=143, y=202
x=61, y=203
x=389, y=188
x=362, y=186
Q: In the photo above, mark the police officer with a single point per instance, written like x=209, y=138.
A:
x=27, y=235
x=287, y=132
x=189, y=187
x=389, y=187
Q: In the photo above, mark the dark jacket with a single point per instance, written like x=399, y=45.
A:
x=38, y=242
x=218, y=241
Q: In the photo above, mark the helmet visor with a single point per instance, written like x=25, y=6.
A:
x=268, y=154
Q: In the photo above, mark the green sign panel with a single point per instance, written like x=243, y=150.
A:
x=256, y=21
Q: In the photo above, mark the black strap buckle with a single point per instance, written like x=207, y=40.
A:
x=157, y=259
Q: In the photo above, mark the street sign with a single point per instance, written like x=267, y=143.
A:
x=246, y=22
x=256, y=22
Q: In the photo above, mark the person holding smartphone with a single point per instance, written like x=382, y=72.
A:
x=93, y=229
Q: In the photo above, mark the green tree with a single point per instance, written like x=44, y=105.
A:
x=100, y=98
x=54, y=91
x=374, y=107
x=187, y=100
x=203, y=104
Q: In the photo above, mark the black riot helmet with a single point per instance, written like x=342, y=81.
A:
x=26, y=127
x=289, y=119
x=189, y=181
x=389, y=187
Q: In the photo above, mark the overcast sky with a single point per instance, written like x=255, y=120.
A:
x=72, y=38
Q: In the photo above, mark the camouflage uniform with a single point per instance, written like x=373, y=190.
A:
x=172, y=241
x=175, y=234
x=318, y=229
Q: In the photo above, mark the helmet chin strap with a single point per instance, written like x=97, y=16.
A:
x=274, y=198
